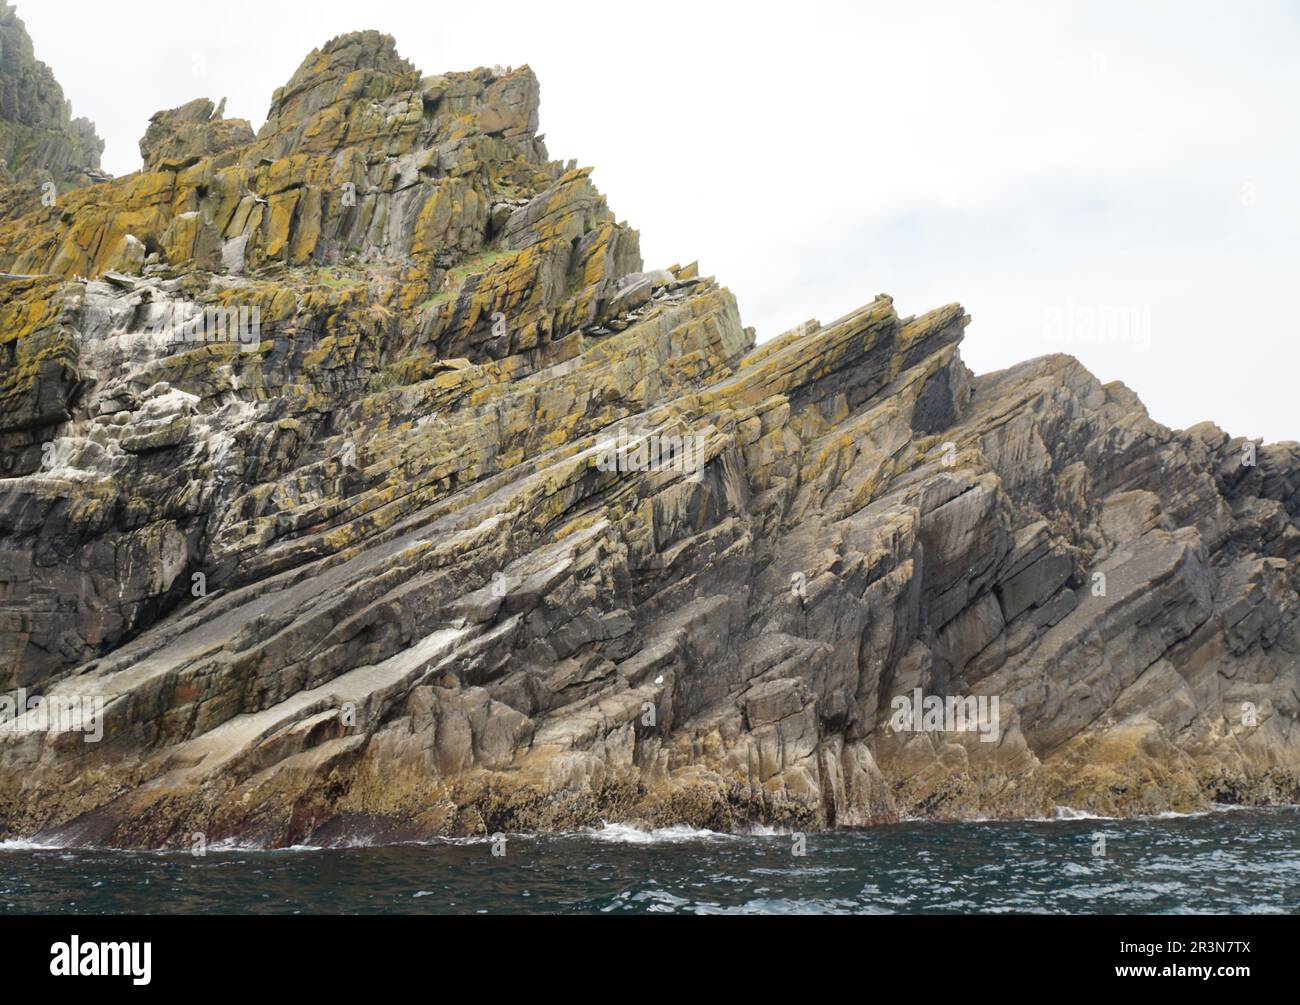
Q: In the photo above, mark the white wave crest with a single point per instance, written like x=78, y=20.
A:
x=627, y=834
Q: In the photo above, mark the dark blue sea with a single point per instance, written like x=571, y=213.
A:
x=1221, y=862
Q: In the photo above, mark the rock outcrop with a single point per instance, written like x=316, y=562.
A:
x=182, y=137
x=39, y=139
x=379, y=491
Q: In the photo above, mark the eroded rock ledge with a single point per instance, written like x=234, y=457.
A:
x=372, y=579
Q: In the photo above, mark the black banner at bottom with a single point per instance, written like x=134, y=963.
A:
x=298, y=954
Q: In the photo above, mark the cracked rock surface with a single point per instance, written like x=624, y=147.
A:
x=354, y=565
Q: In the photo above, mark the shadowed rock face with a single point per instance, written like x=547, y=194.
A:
x=468, y=523
x=39, y=139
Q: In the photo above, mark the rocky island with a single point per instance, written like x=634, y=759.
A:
x=362, y=483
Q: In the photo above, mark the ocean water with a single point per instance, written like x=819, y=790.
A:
x=1222, y=862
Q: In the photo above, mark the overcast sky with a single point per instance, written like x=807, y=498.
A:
x=1115, y=180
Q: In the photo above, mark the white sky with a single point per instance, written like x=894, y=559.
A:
x=1033, y=161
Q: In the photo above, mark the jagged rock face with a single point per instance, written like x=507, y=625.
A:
x=482, y=527
x=39, y=139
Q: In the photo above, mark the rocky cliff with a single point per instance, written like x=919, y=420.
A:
x=40, y=141
x=362, y=475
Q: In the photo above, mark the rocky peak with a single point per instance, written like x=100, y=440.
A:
x=39, y=138
x=183, y=136
x=357, y=91
x=361, y=69
x=361, y=159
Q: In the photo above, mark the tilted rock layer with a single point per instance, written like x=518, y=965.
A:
x=366, y=571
